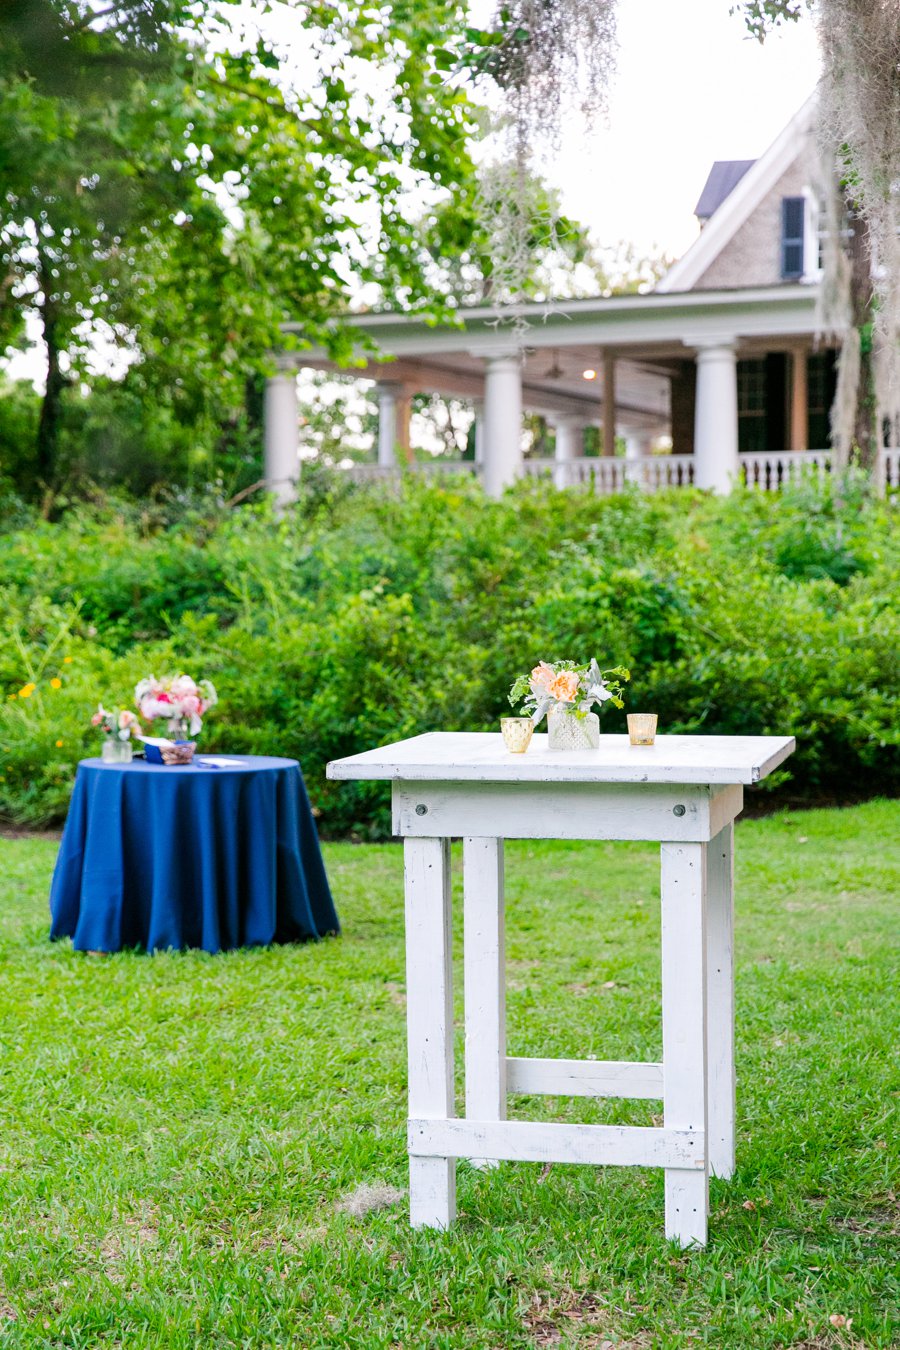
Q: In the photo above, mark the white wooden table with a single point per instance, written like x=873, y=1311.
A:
x=683, y=792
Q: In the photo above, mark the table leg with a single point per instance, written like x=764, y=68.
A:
x=720, y=1000
x=485, y=982
x=685, y=1083
x=429, y=1014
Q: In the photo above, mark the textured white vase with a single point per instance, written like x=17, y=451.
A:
x=572, y=731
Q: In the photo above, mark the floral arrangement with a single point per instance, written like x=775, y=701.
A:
x=120, y=726
x=567, y=686
x=176, y=699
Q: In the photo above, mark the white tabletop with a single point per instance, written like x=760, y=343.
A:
x=466, y=756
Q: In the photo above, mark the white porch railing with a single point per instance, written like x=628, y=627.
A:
x=770, y=470
x=387, y=473
x=765, y=472
x=602, y=475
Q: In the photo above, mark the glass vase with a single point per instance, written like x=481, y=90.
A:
x=569, y=730
x=179, y=729
x=116, y=751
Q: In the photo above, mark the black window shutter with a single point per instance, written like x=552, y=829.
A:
x=793, y=218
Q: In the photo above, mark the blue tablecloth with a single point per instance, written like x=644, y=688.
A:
x=189, y=856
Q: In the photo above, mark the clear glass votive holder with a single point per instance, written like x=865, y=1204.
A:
x=517, y=733
x=115, y=751
x=642, y=728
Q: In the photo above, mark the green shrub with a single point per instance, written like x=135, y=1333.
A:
x=366, y=615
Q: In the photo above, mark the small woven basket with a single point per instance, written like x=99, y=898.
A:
x=180, y=753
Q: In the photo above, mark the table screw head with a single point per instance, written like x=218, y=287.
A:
x=421, y=810
x=678, y=810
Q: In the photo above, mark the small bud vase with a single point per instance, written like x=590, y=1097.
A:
x=569, y=730
x=116, y=751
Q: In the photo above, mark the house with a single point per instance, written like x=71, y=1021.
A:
x=723, y=365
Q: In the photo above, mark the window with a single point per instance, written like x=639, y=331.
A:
x=751, y=389
x=793, y=230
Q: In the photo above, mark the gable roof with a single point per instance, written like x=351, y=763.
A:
x=742, y=201
x=724, y=177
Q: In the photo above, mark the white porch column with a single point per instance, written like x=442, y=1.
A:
x=502, y=419
x=389, y=395
x=716, y=417
x=479, y=430
x=569, y=428
x=638, y=445
x=281, y=437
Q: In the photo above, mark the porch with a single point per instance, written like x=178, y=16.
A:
x=734, y=385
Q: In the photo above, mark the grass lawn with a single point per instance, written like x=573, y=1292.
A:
x=177, y=1131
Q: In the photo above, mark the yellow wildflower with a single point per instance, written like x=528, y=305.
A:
x=26, y=691
x=56, y=683
x=67, y=660
x=58, y=744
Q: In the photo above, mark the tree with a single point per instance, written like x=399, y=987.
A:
x=166, y=189
x=537, y=51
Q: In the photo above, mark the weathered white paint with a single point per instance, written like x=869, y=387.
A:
x=502, y=419
x=583, y=1078
x=571, y=811
x=685, y=1079
x=476, y=756
x=716, y=417
x=720, y=1000
x=696, y=1076
x=540, y=1141
x=485, y=980
x=429, y=1020
x=281, y=435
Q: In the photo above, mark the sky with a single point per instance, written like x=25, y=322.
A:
x=690, y=88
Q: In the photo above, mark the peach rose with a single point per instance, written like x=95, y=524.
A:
x=564, y=687
x=542, y=676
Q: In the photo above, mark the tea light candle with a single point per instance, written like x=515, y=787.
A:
x=517, y=733
x=642, y=728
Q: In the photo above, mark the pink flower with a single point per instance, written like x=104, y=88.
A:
x=542, y=676
x=96, y=719
x=163, y=698
x=191, y=705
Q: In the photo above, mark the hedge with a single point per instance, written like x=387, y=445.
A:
x=367, y=614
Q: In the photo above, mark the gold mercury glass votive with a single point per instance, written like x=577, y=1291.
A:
x=642, y=728
x=517, y=733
